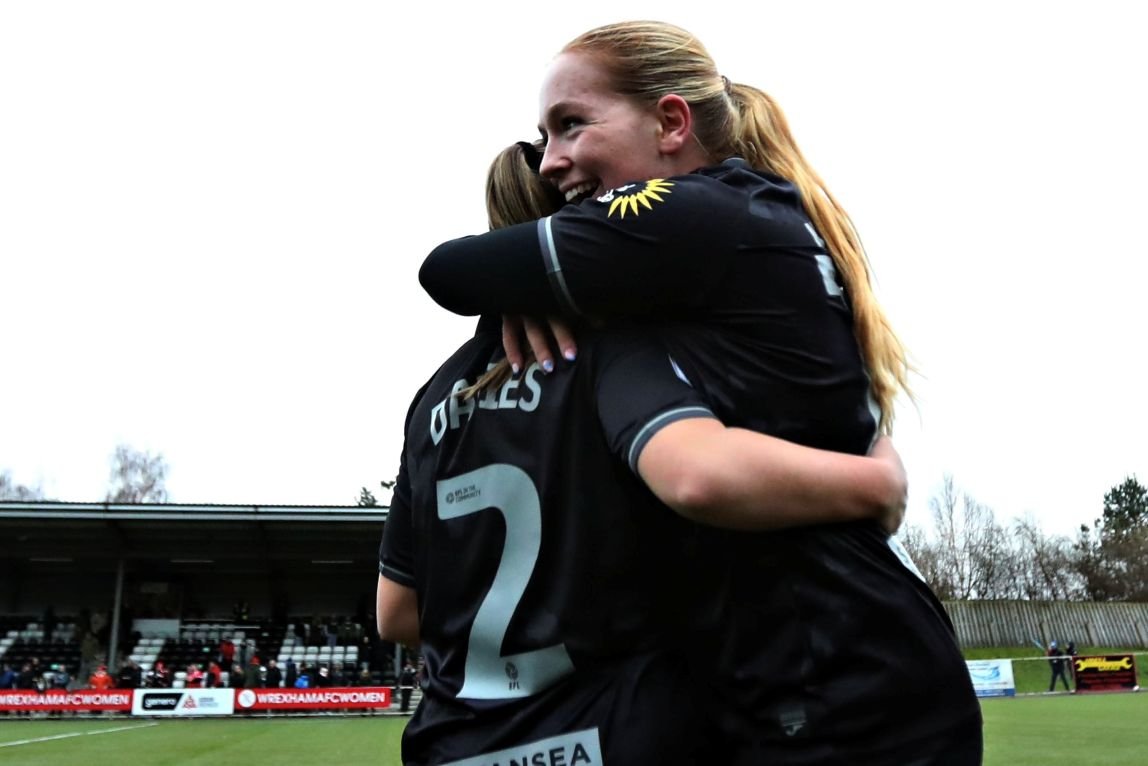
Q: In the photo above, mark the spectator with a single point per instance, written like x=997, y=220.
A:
x=60, y=677
x=128, y=676
x=1056, y=662
x=323, y=677
x=158, y=677
x=291, y=675
x=26, y=681
x=406, y=685
x=213, y=678
x=254, y=674
x=274, y=677
x=226, y=652
x=26, y=678
x=1070, y=650
x=101, y=680
x=303, y=681
x=238, y=677
x=244, y=651
x=194, y=676
x=7, y=677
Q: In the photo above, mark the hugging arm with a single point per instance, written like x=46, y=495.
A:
x=739, y=479
x=731, y=477
x=594, y=259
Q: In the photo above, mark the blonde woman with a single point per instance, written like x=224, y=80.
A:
x=694, y=210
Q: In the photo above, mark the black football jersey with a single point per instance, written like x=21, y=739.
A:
x=542, y=564
x=830, y=636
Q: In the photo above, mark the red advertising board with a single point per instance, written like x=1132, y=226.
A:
x=58, y=699
x=338, y=697
x=1105, y=673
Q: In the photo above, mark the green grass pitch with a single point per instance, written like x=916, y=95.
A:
x=202, y=742
x=1110, y=729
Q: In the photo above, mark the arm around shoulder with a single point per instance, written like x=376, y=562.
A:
x=739, y=479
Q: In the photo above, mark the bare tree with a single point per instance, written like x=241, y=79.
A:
x=925, y=554
x=10, y=490
x=1050, y=572
x=137, y=477
x=973, y=556
x=971, y=545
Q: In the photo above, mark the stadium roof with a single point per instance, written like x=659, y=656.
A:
x=182, y=537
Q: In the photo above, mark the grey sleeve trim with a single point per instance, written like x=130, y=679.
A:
x=399, y=576
x=657, y=424
x=553, y=268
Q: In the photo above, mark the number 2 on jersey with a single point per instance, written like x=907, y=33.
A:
x=510, y=491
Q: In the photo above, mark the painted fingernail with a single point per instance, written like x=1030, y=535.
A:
x=514, y=368
x=570, y=354
x=548, y=366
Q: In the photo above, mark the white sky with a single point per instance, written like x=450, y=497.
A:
x=212, y=215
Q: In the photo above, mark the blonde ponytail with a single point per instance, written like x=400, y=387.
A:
x=765, y=141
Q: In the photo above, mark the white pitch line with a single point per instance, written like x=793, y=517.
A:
x=76, y=734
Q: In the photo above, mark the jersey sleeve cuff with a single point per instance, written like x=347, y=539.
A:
x=396, y=575
x=657, y=424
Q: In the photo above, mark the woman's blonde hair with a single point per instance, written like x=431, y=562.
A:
x=515, y=193
x=646, y=60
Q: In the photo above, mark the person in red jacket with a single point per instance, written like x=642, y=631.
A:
x=100, y=679
x=194, y=677
x=212, y=678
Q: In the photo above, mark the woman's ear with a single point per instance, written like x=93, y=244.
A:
x=675, y=123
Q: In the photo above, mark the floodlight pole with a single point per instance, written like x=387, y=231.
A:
x=114, y=640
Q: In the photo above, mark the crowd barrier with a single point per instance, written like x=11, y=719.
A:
x=196, y=702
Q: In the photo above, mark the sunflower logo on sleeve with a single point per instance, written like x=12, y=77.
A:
x=622, y=200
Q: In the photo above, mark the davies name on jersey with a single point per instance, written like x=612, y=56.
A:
x=449, y=413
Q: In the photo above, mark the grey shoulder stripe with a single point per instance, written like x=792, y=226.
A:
x=658, y=423
x=553, y=268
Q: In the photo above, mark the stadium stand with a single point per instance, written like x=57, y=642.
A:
x=291, y=567
x=27, y=642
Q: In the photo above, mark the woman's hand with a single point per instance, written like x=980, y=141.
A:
x=545, y=337
x=893, y=513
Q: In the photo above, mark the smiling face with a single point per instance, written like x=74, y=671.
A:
x=596, y=139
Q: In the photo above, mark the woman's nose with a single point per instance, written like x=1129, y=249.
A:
x=554, y=163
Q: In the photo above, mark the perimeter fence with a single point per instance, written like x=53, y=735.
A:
x=1023, y=623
